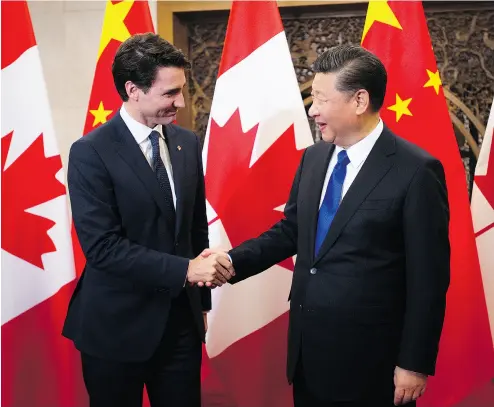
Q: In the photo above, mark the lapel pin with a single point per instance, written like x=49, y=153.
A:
x=179, y=148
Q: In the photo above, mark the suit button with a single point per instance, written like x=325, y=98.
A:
x=301, y=306
x=313, y=271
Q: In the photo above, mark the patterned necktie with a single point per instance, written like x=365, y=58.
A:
x=160, y=170
x=331, y=199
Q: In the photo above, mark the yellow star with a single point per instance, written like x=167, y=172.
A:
x=401, y=107
x=381, y=12
x=100, y=115
x=434, y=81
x=113, y=23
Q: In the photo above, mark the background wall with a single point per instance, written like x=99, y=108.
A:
x=68, y=34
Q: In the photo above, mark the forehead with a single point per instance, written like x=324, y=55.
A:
x=169, y=77
x=324, y=82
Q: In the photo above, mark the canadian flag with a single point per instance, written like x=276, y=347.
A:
x=483, y=214
x=37, y=259
x=257, y=131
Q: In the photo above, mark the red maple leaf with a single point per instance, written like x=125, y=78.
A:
x=245, y=198
x=28, y=182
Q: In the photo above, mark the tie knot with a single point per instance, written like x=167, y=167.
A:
x=343, y=157
x=154, y=137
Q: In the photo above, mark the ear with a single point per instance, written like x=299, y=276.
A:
x=132, y=91
x=362, y=101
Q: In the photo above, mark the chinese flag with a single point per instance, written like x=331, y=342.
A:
x=415, y=109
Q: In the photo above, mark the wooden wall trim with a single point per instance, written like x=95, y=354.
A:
x=168, y=9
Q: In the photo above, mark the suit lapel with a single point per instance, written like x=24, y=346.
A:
x=320, y=168
x=177, y=158
x=373, y=170
x=131, y=153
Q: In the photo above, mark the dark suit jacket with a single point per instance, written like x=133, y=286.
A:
x=136, y=259
x=374, y=297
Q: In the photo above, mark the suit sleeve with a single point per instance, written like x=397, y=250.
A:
x=99, y=228
x=273, y=246
x=200, y=231
x=427, y=251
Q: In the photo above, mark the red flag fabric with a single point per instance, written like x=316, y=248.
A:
x=252, y=149
x=415, y=109
x=39, y=367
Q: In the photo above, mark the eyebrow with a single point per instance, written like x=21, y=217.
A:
x=317, y=93
x=172, y=91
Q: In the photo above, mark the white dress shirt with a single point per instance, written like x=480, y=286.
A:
x=357, y=154
x=141, y=134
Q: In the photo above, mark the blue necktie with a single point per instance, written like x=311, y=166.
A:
x=160, y=170
x=331, y=199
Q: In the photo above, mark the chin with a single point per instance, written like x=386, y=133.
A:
x=165, y=120
x=328, y=138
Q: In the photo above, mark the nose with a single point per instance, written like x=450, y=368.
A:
x=179, y=101
x=313, y=111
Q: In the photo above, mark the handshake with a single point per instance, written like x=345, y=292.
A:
x=212, y=268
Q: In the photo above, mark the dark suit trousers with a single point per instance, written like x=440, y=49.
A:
x=172, y=375
x=303, y=397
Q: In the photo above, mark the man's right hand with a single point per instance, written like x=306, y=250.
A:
x=214, y=270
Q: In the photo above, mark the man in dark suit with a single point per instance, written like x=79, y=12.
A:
x=138, y=203
x=368, y=219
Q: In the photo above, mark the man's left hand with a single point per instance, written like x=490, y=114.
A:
x=409, y=386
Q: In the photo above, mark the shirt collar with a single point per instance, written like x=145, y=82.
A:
x=359, y=151
x=140, y=131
